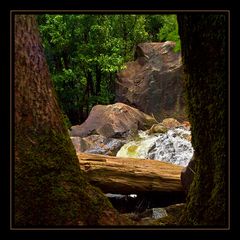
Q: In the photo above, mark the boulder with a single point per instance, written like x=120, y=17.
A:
x=153, y=82
x=113, y=121
x=165, y=125
x=170, y=123
x=98, y=144
x=187, y=174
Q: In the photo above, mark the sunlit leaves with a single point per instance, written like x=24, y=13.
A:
x=169, y=30
x=84, y=51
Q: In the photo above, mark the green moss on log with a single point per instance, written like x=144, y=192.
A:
x=50, y=188
x=204, y=50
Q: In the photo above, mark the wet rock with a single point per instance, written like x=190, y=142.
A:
x=98, y=144
x=157, y=128
x=170, y=123
x=158, y=213
x=172, y=146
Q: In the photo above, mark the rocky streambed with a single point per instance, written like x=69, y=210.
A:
x=122, y=131
x=126, y=132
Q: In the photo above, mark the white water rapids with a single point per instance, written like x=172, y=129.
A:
x=171, y=146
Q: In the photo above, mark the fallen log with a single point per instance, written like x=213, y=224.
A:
x=130, y=175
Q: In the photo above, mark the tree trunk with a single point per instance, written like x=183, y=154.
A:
x=90, y=84
x=50, y=189
x=204, y=51
x=130, y=175
x=98, y=80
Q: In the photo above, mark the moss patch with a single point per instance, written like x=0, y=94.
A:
x=132, y=149
x=49, y=186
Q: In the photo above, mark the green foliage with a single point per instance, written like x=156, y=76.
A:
x=85, y=51
x=153, y=24
x=163, y=28
x=66, y=121
x=169, y=31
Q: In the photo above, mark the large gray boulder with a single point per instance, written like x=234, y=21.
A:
x=153, y=83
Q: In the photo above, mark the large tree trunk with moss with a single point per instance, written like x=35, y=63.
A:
x=50, y=189
x=204, y=51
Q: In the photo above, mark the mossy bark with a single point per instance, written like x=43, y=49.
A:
x=49, y=187
x=204, y=51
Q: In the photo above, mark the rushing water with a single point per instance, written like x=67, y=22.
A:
x=171, y=146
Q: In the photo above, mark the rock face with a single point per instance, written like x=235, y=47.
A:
x=113, y=121
x=153, y=82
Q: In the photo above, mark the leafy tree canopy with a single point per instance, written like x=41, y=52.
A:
x=84, y=52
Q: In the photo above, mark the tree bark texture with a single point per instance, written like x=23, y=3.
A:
x=204, y=52
x=130, y=175
x=49, y=187
x=34, y=97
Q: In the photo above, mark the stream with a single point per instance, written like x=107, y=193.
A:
x=174, y=147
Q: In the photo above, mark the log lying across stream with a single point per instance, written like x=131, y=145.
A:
x=130, y=175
